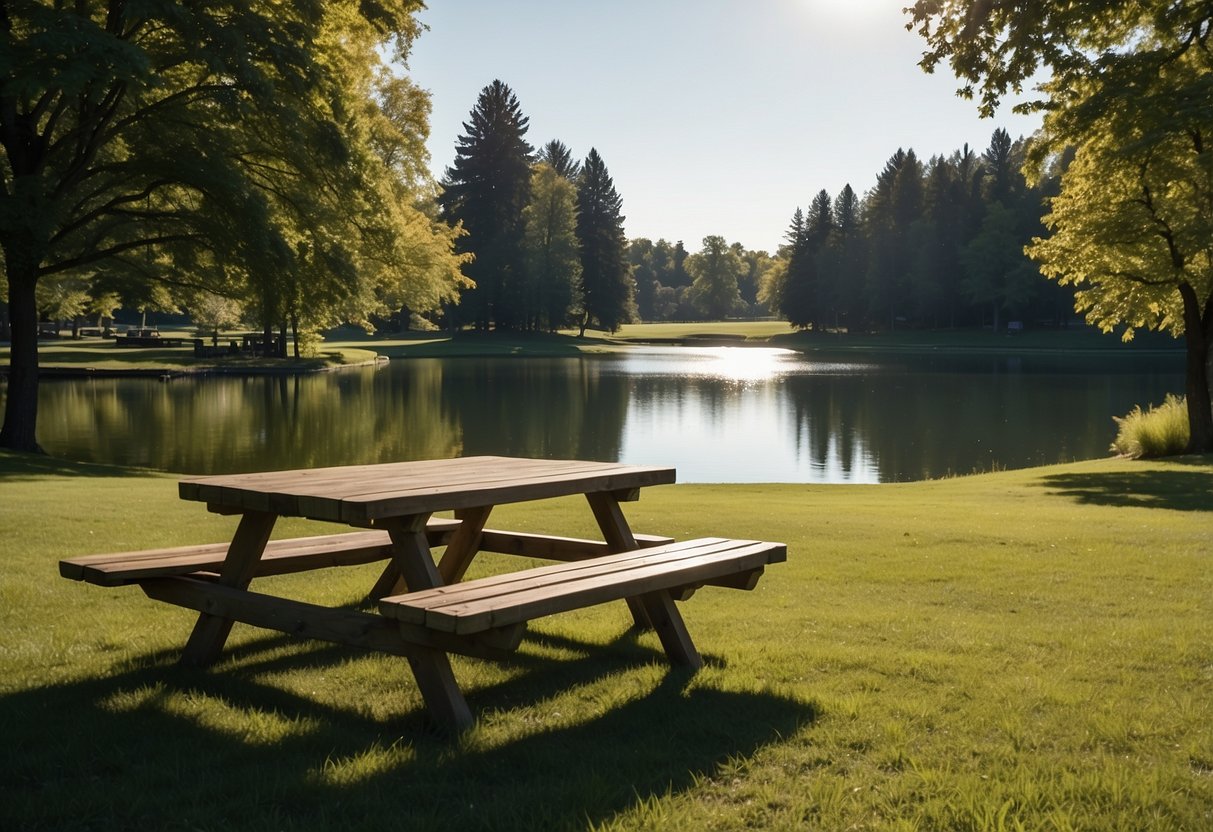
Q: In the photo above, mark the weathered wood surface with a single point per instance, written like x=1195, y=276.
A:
x=362, y=494
x=281, y=557
x=520, y=596
x=340, y=626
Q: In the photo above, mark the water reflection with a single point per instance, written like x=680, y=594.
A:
x=718, y=414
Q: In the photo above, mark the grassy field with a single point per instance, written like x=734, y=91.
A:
x=1020, y=650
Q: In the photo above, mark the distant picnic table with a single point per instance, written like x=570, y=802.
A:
x=425, y=610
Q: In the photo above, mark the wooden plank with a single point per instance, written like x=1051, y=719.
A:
x=359, y=494
x=464, y=545
x=534, y=602
x=550, y=547
x=558, y=573
x=614, y=527
x=671, y=629
x=211, y=631
x=532, y=593
x=279, y=558
x=349, y=627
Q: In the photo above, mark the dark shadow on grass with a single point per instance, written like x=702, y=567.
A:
x=17, y=466
x=1173, y=489
x=140, y=749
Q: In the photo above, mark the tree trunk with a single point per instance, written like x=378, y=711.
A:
x=21, y=404
x=1198, y=339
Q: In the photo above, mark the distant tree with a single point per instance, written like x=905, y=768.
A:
x=558, y=155
x=678, y=274
x=640, y=257
x=553, y=264
x=605, y=285
x=996, y=273
x=715, y=270
x=799, y=280
x=1001, y=172
x=486, y=189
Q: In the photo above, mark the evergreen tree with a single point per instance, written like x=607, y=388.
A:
x=557, y=154
x=797, y=296
x=487, y=189
x=605, y=285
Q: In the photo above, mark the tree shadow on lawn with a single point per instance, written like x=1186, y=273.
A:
x=75, y=760
x=1176, y=490
x=21, y=466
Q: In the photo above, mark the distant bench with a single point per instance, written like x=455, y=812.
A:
x=151, y=341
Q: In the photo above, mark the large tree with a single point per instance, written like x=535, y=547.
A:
x=606, y=288
x=1131, y=89
x=486, y=189
x=715, y=270
x=553, y=263
x=210, y=145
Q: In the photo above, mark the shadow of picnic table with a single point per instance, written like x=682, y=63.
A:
x=143, y=748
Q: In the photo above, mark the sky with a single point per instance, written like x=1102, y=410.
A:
x=713, y=116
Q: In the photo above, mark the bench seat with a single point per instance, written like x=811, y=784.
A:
x=300, y=554
x=512, y=598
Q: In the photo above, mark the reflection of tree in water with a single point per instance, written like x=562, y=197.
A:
x=249, y=423
x=915, y=419
x=554, y=408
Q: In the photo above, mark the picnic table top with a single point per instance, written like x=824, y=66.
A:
x=360, y=494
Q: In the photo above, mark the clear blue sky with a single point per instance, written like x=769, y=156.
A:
x=713, y=116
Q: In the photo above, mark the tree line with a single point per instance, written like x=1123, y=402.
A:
x=936, y=244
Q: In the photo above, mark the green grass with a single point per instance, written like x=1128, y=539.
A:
x=1159, y=431
x=1017, y=650
x=103, y=356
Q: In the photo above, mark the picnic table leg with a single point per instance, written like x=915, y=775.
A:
x=671, y=629
x=464, y=544
x=618, y=536
x=211, y=631
x=431, y=668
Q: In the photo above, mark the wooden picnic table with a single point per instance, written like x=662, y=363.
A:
x=425, y=611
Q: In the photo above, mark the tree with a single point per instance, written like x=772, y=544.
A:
x=553, y=264
x=605, y=284
x=202, y=145
x=794, y=289
x=558, y=155
x=715, y=270
x=1131, y=89
x=486, y=189
x=995, y=271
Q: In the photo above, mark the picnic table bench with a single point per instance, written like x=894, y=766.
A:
x=425, y=610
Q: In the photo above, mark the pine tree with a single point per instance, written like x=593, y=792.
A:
x=557, y=154
x=605, y=282
x=487, y=189
x=799, y=282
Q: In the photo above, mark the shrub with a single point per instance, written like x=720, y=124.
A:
x=1160, y=431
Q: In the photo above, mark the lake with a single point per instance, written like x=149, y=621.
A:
x=718, y=414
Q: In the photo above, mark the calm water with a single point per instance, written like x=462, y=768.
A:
x=719, y=415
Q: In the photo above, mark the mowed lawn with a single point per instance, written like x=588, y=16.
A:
x=1017, y=650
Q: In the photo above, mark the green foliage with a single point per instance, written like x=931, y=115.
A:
x=552, y=259
x=715, y=271
x=1159, y=431
x=254, y=150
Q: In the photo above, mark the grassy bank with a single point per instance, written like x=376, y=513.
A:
x=350, y=346
x=95, y=354
x=1025, y=649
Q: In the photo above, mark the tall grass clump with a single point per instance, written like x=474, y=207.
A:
x=1159, y=431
